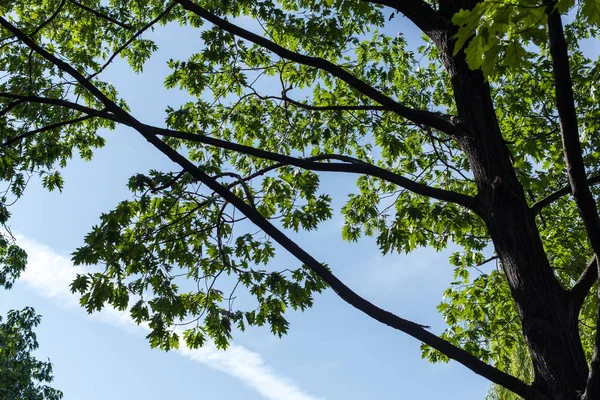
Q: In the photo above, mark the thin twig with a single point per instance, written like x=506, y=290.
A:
x=99, y=14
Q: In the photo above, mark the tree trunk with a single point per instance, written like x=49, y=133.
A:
x=549, y=324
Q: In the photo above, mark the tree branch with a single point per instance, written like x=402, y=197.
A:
x=100, y=15
x=437, y=121
x=46, y=22
x=570, y=131
x=540, y=204
x=415, y=330
x=487, y=260
x=583, y=285
x=10, y=106
x=310, y=107
x=131, y=39
x=46, y=129
x=61, y=103
x=156, y=189
x=419, y=13
x=584, y=199
x=348, y=165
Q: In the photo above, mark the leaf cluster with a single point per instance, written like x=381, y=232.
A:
x=23, y=376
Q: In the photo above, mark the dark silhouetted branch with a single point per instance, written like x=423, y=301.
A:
x=10, y=106
x=131, y=39
x=415, y=330
x=487, y=260
x=101, y=15
x=60, y=103
x=583, y=285
x=348, y=164
x=419, y=13
x=46, y=22
x=434, y=120
x=46, y=129
x=327, y=108
x=570, y=131
x=584, y=199
x=540, y=204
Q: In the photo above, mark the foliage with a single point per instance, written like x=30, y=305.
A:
x=13, y=260
x=23, y=376
x=501, y=31
x=328, y=86
x=520, y=366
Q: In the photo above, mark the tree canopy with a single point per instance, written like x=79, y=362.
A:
x=482, y=135
x=23, y=376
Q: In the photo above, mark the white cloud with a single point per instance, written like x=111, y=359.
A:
x=392, y=271
x=49, y=275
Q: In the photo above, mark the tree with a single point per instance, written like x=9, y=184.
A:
x=483, y=138
x=23, y=376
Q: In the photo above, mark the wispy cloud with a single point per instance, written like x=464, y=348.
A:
x=407, y=271
x=49, y=275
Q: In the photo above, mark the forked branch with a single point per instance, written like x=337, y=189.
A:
x=101, y=15
x=584, y=199
x=434, y=120
x=347, y=164
x=415, y=330
x=132, y=39
x=583, y=285
x=566, y=190
x=419, y=13
x=46, y=129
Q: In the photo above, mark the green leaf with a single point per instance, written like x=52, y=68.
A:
x=53, y=181
x=475, y=51
x=22, y=374
x=590, y=10
x=514, y=54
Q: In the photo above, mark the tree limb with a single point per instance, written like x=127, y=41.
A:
x=310, y=107
x=570, y=131
x=540, y=204
x=415, y=330
x=100, y=15
x=584, y=199
x=46, y=22
x=156, y=189
x=419, y=13
x=46, y=129
x=583, y=285
x=59, y=102
x=487, y=260
x=437, y=121
x=348, y=165
x=131, y=39
x=10, y=106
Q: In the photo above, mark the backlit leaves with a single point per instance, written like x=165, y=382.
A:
x=172, y=256
x=500, y=32
x=180, y=259
x=13, y=260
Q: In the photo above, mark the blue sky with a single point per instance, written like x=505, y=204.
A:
x=332, y=350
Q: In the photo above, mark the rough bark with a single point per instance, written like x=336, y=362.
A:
x=549, y=325
x=586, y=204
